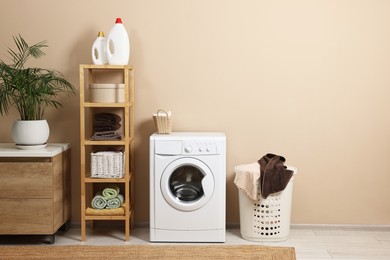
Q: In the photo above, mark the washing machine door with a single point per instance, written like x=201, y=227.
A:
x=187, y=184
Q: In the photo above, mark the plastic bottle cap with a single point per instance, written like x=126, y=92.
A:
x=101, y=34
x=118, y=20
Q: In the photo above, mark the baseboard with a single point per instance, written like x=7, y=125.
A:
x=342, y=226
x=236, y=225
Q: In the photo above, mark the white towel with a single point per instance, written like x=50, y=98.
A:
x=246, y=179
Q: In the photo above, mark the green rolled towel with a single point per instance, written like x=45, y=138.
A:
x=98, y=202
x=115, y=202
x=110, y=192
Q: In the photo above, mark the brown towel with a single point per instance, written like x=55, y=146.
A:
x=274, y=176
x=107, y=118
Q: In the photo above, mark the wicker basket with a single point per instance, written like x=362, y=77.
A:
x=107, y=164
x=163, y=122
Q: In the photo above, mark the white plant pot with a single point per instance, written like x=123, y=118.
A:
x=30, y=134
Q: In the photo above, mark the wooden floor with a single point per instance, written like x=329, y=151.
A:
x=310, y=242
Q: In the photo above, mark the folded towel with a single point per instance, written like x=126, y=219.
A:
x=246, y=179
x=105, y=212
x=107, y=118
x=105, y=127
x=115, y=202
x=110, y=192
x=106, y=122
x=98, y=202
x=106, y=135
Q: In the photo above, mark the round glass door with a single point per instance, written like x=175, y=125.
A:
x=187, y=184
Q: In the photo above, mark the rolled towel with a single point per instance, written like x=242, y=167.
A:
x=115, y=203
x=110, y=192
x=98, y=202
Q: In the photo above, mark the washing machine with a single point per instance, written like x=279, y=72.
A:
x=188, y=187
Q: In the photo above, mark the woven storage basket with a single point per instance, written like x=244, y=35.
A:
x=163, y=122
x=107, y=164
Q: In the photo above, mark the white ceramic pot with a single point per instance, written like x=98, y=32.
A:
x=30, y=134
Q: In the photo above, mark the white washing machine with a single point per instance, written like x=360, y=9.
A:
x=188, y=187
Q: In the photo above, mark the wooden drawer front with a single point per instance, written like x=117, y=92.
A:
x=25, y=180
x=26, y=216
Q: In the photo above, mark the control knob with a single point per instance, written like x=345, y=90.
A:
x=188, y=149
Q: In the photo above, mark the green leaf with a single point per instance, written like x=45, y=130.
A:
x=30, y=90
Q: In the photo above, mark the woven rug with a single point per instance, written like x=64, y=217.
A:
x=147, y=252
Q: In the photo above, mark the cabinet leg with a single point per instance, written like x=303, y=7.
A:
x=52, y=238
x=65, y=227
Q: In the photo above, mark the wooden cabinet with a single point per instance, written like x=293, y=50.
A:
x=90, y=185
x=34, y=189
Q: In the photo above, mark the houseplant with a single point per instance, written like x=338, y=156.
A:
x=30, y=90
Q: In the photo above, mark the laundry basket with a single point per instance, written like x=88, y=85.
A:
x=267, y=219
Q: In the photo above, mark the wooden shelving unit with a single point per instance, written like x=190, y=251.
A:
x=89, y=185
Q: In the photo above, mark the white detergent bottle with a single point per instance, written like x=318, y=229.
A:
x=118, y=45
x=99, y=53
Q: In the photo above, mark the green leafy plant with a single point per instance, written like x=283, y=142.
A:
x=30, y=90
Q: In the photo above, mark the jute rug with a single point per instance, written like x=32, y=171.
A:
x=148, y=252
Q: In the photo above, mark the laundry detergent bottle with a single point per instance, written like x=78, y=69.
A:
x=118, y=45
x=99, y=53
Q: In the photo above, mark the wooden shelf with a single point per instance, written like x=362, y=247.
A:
x=113, y=217
x=97, y=74
x=94, y=104
x=105, y=180
x=90, y=217
x=106, y=67
x=114, y=142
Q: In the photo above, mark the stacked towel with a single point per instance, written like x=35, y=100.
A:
x=107, y=135
x=99, y=202
x=105, y=126
x=110, y=192
x=115, y=203
x=109, y=198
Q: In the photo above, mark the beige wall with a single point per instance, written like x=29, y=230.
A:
x=305, y=79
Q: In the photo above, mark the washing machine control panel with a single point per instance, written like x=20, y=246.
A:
x=200, y=147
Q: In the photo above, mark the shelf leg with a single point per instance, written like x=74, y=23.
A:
x=83, y=230
x=127, y=226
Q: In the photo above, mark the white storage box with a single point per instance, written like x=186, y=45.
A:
x=107, y=93
x=267, y=219
x=107, y=164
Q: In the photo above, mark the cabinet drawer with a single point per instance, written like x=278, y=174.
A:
x=22, y=179
x=26, y=216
